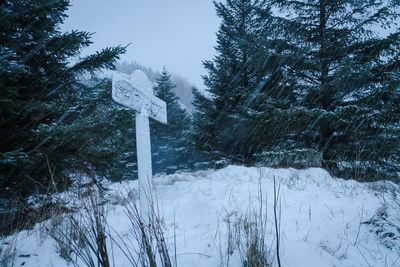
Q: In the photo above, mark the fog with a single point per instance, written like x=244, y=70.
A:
x=177, y=34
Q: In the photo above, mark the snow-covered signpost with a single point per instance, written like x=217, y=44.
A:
x=136, y=92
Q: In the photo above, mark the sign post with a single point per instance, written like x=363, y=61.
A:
x=136, y=92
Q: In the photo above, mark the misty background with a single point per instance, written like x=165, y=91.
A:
x=176, y=34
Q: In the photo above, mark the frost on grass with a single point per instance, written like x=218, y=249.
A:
x=322, y=219
x=385, y=223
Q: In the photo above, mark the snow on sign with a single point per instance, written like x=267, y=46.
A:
x=136, y=92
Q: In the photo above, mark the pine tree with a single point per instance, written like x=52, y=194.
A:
x=347, y=82
x=43, y=119
x=203, y=122
x=236, y=81
x=170, y=142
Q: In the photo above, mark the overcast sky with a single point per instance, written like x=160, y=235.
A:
x=177, y=34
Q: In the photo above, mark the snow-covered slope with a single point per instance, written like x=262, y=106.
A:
x=319, y=222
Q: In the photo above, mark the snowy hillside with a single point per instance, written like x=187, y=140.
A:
x=319, y=219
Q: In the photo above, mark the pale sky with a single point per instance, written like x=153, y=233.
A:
x=177, y=34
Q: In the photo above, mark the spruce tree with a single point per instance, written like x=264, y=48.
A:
x=347, y=83
x=44, y=111
x=236, y=81
x=203, y=122
x=170, y=142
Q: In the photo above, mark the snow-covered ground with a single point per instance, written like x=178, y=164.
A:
x=319, y=223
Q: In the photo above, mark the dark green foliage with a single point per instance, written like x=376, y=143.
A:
x=47, y=116
x=347, y=80
x=99, y=135
x=170, y=145
x=237, y=82
x=203, y=122
x=311, y=76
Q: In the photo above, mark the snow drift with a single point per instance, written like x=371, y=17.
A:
x=323, y=221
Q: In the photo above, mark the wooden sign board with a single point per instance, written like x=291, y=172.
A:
x=135, y=92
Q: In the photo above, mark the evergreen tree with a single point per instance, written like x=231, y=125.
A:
x=170, y=141
x=100, y=132
x=203, y=122
x=347, y=82
x=238, y=82
x=48, y=117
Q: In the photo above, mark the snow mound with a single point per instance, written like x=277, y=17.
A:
x=322, y=219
